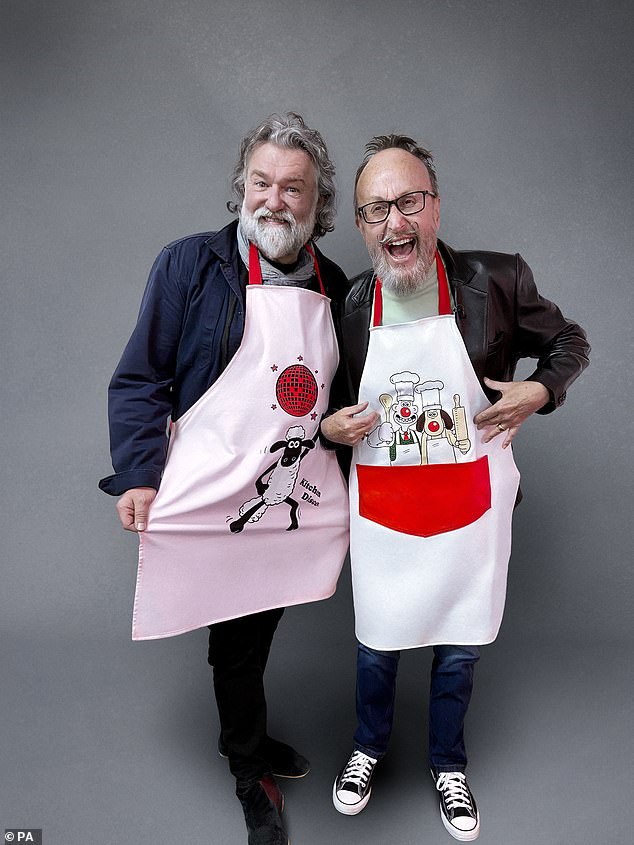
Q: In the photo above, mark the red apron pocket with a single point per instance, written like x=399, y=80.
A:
x=425, y=500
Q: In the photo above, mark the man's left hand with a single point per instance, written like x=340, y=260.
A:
x=519, y=400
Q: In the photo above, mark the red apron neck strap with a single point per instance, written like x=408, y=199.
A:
x=255, y=271
x=377, y=319
x=444, y=297
x=311, y=251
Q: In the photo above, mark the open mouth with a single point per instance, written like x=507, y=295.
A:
x=400, y=248
x=272, y=218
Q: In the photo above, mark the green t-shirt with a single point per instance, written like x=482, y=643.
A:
x=414, y=306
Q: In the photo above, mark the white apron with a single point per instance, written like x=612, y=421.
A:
x=430, y=538
x=251, y=513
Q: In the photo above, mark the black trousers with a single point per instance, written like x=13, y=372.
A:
x=238, y=652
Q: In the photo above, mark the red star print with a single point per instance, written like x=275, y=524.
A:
x=313, y=416
x=322, y=387
x=273, y=407
x=300, y=357
x=274, y=368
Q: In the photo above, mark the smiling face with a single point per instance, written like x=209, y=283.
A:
x=402, y=248
x=404, y=414
x=434, y=423
x=280, y=201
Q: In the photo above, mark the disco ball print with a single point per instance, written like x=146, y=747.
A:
x=296, y=390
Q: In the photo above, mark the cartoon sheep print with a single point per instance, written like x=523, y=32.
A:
x=281, y=477
x=417, y=430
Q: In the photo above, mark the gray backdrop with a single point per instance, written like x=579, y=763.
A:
x=121, y=122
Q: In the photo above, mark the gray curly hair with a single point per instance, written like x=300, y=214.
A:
x=398, y=142
x=291, y=132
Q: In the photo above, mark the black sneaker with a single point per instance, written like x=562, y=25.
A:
x=285, y=762
x=262, y=803
x=352, y=790
x=458, y=809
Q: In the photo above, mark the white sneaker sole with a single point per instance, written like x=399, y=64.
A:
x=461, y=835
x=349, y=809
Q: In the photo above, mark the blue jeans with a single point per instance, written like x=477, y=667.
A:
x=450, y=693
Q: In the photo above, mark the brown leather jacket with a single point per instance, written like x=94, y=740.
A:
x=500, y=315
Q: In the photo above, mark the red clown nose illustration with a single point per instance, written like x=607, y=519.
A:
x=296, y=390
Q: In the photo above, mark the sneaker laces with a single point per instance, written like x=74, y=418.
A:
x=453, y=785
x=358, y=769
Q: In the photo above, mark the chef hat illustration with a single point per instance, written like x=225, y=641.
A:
x=430, y=393
x=404, y=384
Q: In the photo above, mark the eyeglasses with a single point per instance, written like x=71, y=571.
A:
x=412, y=203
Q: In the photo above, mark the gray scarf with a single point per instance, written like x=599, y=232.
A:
x=304, y=271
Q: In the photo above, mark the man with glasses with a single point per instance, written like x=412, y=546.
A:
x=430, y=342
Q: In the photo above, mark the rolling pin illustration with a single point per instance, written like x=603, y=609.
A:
x=461, y=431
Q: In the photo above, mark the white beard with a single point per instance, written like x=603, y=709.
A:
x=274, y=242
x=400, y=280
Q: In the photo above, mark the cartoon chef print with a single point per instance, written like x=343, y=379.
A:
x=442, y=435
x=398, y=432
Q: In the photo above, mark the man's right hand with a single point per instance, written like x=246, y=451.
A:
x=133, y=507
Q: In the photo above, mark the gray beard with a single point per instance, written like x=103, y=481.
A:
x=274, y=243
x=401, y=281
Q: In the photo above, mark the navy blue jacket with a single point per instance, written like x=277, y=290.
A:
x=189, y=327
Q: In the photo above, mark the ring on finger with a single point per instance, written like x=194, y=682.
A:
x=501, y=427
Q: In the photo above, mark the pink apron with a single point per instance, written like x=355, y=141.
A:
x=252, y=512
x=430, y=502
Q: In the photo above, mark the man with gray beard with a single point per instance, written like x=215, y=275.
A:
x=242, y=400
x=430, y=341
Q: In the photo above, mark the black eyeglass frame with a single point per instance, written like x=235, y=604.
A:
x=361, y=209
